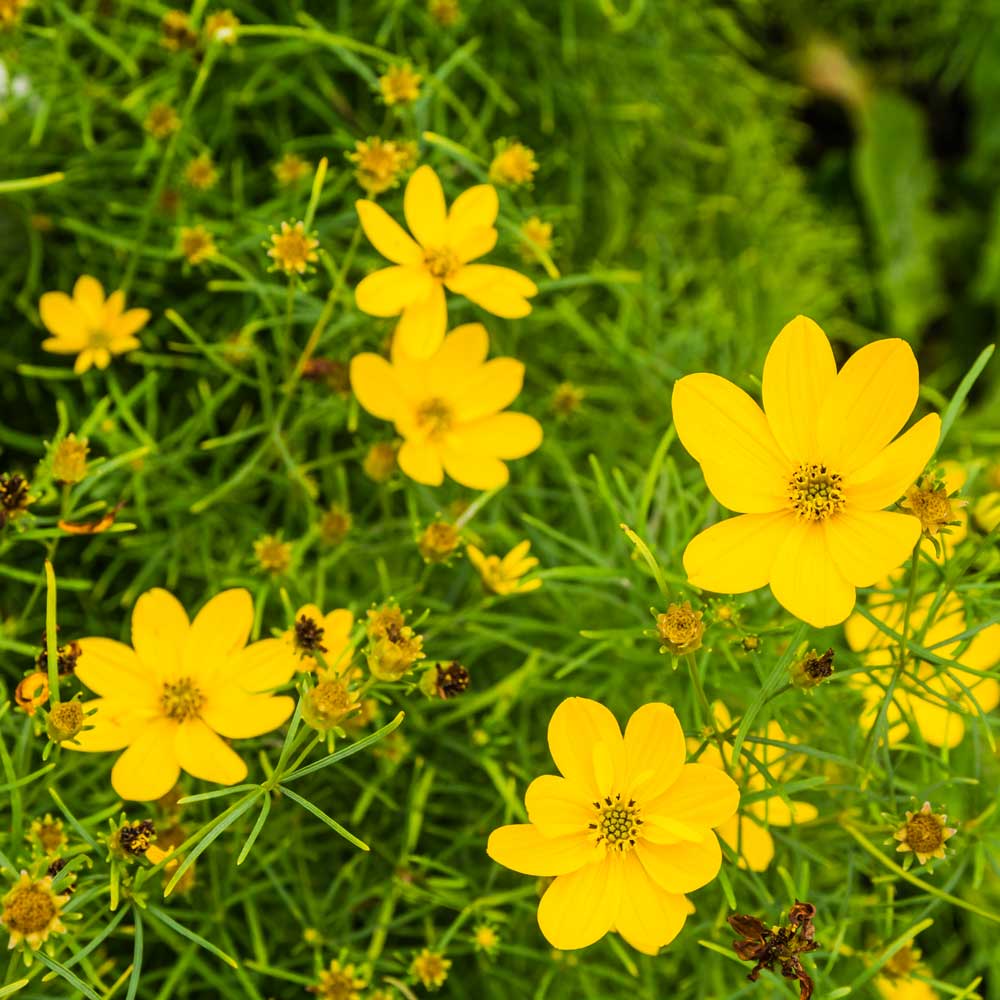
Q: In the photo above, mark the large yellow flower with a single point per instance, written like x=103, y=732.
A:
x=88, y=325
x=626, y=830
x=437, y=257
x=447, y=409
x=809, y=474
x=933, y=697
x=181, y=686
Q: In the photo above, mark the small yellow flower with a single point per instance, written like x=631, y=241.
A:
x=10, y=11
x=31, y=911
x=810, y=474
x=431, y=968
x=49, y=833
x=535, y=235
x=90, y=326
x=339, y=982
x=437, y=256
x=380, y=461
x=680, y=629
x=438, y=542
x=328, y=704
x=393, y=646
x=291, y=169
x=514, y=165
x=293, y=249
x=566, y=399
x=400, y=85
x=69, y=460
x=176, y=31
x=196, y=244
x=898, y=977
x=380, y=163
x=447, y=409
x=504, y=575
x=626, y=830
x=182, y=686
x=943, y=519
x=221, y=27
x=201, y=173
x=162, y=121
x=335, y=524
x=924, y=833
x=274, y=556
x=445, y=12
x=485, y=939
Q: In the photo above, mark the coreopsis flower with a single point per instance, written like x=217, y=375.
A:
x=514, y=164
x=535, y=235
x=221, y=27
x=447, y=408
x=335, y=524
x=400, y=85
x=567, y=399
x=439, y=255
x=778, y=948
x=201, y=173
x=10, y=11
x=329, y=703
x=924, y=833
x=933, y=697
x=504, y=575
x=810, y=669
x=273, y=555
x=32, y=911
x=762, y=766
x=291, y=169
x=393, y=646
x=898, y=978
x=313, y=632
x=626, y=830
x=49, y=834
x=69, y=460
x=293, y=249
x=339, y=982
x=162, y=121
x=485, y=939
x=65, y=721
x=986, y=512
x=183, y=685
x=92, y=327
x=431, y=968
x=379, y=163
x=943, y=518
x=196, y=244
x=680, y=629
x=810, y=474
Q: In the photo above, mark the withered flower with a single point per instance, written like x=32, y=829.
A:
x=778, y=946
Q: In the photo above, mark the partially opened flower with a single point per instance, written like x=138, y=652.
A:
x=437, y=256
x=92, y=327
x=447, y=409
x=505, y=575
x=626, y=830
x=169, y=698
x=933, y=697
x=313, y=632
x=810, y=474
x=765, y=767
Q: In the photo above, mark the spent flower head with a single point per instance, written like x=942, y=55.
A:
x=439, y=542
x=15, y=497
x=274, y=555
x=32, y=911
x=201, y=173
x=176, y=32
x=162, y=121
x=810, y=668
x=380, y=461
x=196, y=244
x=335, y=524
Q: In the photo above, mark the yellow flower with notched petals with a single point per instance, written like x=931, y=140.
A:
x=436, y=257
x=89, y=325
x=447, y=409
x=181, y=686
x=626, y=830
x=504, y=576
x=810, y=474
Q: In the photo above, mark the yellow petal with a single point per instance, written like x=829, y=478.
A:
x=576, y=727
x=503, y=435
x=238, y=717
x=474, y=209
x=886, y=477
x=939, y=725
x=424, y=208
x=113, y=669
x=867, y=405
x=726, y=432
x=776, y=812
x=84, y=361
x=475, y=244
x=748, y=839
x=983, y=652
x=866, y=545
x=374, y=382
x=798, y=373
x=523, y=848
x=129, y=322
x=422, y=325
x=58, y=345
x=387, y=235
x=557, y=806
x=148, y=769
x=159, y=631
x=421, y=462
x=219, y=631
x=681, y=867
x=736, y=556
x=64, y=318
x=487, y=390
x=115, y=724
x=648, y=918
x=580, y=908
x=498, y=290
x=701, y=797
x=805, y=579
x=654, y=751
x=461, y=354
x=389, y=291
x=88, y=293
x=478, y=472
x=204, y=755
x=262, y=666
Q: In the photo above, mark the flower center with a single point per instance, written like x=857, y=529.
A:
x=617, y=823
x=29, y=911
x=441, y=262
x=181, y=700
x=99, y=340
x=308, y=636
x=435, y=417
x=924, y=834
x=815, y=492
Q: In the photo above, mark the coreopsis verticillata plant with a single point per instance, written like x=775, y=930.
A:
x=183, y=685
x=933, y=697
x=447, y=408
x=810, y=474
x=504, y=575
x=92, y=327
x=626, y=829
x=437, y=256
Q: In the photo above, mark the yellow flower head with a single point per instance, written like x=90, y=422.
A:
x=32, y=692
x=176, y=32
x=810, y=474
x=897, y=980
x=197, y=244
x=438, y=542
x=447, y=408
x=10, y=11
x=182, y=685
x=680, y=629
x=943, y=518
x=15, y=497
x=69, y=460
x=924, y=833
x=535, y=235
x=485, y=939
x=201, y=173
x=380, y=461
x=31, y=911
x=291, y=169
x=626, y=831
x=49, y=834
x=764, y=765
x=504, y=575
x=293, y=249
x=274, y=556
x=932, y=697
x=221, y=27
x=445, y=12
x=400, y=85
x=335, y=524
x=339, y=982
x=431, y=968
x=393, y=646
x=162, y=121
x=379, y=163
x=514, y=165
x=438, y=256
x=92, y=327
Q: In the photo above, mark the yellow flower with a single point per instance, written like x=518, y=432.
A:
x=339, y=982
x=680, y=629
x=485, y=939
x=162, y=121
x=181, y=686
x=942, y=518
x=932, y=697
x=513, y=165
x=335, y=524
x=201, y=173
x=273, y=555
x=69, y=460
x=329, y=635
x=10, y=11
x=535, y=234
x=176, y=31
x=379, y=163
x=293, y=249
x=290, y=169
x=897, y=980
x=221, y=27
x=811, y=477
x=90, y=326
x=431, y=968
x=437, y=257
x=924, y=833
x=626, y=831
x=31, y=911
x=447, y=408
x=438, y=542
x=196, y=244
x=393, y=646
x=767, y=766
x=445, y=12
x=49, y=833
x=503, y=575
x=380, y=461
x=400, y=85
x=987, y=511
